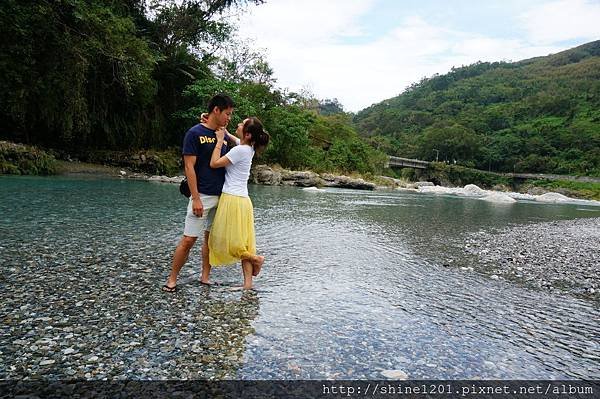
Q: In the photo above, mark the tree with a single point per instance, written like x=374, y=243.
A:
x=454, y=143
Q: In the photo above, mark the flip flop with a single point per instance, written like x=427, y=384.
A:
x=210, y=284
x=166, y=288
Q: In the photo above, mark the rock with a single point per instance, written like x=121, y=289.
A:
x=552, y=197
x=301, y=178
x=423, y=184
x=47, y=362
x=262, y=174
x=501, y=187
x=330, y=180
x=489, y=364
x=536, y=191
x=499, y=198
x=393, y=182
x=395, y=374
x=473, y=189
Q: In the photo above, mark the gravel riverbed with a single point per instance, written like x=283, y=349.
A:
x=82, y=298
x=560, y=255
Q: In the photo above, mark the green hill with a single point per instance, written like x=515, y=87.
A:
x=535, y=115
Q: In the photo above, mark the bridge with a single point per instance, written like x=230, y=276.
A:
x=397, y=162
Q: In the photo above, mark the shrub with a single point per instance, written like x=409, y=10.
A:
x=18, y=159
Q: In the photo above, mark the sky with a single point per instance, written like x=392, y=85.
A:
x=365, y=51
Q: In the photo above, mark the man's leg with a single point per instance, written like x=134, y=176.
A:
x=204, y=278
x=179, y=258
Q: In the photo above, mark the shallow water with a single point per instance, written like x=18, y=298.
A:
x=353, y=284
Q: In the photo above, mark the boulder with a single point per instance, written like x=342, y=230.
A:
x=301, y=178
x=262, y=174
x=346, y=182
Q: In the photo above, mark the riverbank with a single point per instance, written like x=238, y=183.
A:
x=555, y=256
x=165, y=166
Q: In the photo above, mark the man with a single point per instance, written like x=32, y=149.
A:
x=205, y=186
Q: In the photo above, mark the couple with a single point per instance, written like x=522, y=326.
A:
x=219, y=208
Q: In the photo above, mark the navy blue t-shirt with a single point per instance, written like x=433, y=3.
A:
x=200, y=141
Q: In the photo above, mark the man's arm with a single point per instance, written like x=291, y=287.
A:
x=189, y=161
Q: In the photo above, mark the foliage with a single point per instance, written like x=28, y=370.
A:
x=587, y=190
x=95, y=74
x=330, y=106
x=300, y=137
x=111, y=81
x=25, y=160
x=167, y=162
x=538, y=115
x=460, y=176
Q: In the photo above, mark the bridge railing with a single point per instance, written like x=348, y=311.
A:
x=407, y=162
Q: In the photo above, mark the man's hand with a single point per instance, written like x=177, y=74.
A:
x=197, y=207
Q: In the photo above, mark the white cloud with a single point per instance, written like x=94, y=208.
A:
x=307, y=45
x=563, y=20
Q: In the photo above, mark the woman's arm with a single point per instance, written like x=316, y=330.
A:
x=233, y=140
x=216, y=160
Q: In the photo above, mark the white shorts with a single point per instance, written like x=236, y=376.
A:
x=194, y=225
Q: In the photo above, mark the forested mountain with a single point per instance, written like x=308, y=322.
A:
x=536, y=115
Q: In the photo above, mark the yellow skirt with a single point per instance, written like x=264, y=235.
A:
x=232, y=233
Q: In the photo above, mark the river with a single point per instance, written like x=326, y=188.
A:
x=355, y=284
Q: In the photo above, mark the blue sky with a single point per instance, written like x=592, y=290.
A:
x=364, y=51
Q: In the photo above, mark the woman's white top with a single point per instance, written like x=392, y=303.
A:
x=238, y=172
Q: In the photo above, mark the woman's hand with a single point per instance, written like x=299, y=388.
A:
x=220, y=133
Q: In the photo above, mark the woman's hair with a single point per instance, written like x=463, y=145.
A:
x=260, y=137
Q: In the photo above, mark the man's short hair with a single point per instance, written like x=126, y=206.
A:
x=222, y=101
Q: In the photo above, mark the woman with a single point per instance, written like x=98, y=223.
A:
x=232, y=234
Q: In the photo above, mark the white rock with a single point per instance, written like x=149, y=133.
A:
x=552, y=197
x=436, y=190
x=312, y=189
x=47, y=362
x=395, y=374
x=423, y=184
x=473, y=189
x=499, y=198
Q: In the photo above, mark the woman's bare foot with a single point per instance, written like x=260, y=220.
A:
x=257, y=263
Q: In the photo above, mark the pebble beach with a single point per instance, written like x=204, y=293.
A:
x=556, y=256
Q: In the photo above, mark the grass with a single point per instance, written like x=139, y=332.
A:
x=584, y=190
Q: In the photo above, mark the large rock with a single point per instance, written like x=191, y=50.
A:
x=262, y=174
x=301, y=179
x=346, y=182
x=418, y=184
